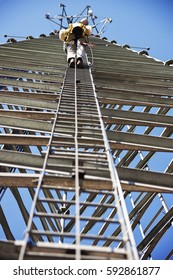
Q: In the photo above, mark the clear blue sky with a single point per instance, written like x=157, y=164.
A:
x=146, y=23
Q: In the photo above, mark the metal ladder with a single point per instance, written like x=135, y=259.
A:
x=78, y=211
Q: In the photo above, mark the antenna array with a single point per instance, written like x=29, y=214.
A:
x=64, y=19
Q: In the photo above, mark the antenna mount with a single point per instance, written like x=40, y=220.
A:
x=65, y=19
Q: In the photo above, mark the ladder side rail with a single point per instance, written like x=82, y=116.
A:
x=40, y=180
x=77, y=187
x=123, y=213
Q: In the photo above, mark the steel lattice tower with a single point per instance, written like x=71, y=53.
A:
x=79, y=150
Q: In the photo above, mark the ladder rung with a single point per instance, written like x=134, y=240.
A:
x=80, y=106
x=81, y=159
x=67, y=110
x=69, y=217
x=84, y=162
x=66, y=182
x=45, y=247
x=81, y=126
x=71, y=189
x=86, y=171
x=83, y=118
x=82, y=155
x=84, y=141
x=86, y=124
x=69, y=94
x=72, y=202
x=52, y=251
x=82, y=152
x=71, y=132
x=81, y=129
x=82, y=102
x=82, y=145
x=81, y=167
x=82, y=236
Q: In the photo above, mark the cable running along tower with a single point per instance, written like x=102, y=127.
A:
x=78, y=171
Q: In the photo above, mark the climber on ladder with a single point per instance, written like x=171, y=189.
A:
x=75, y=39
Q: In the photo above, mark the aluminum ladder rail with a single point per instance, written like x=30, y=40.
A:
x=78, y=203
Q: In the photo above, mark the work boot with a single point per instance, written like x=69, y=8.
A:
x=79, y=63
x=72, y=63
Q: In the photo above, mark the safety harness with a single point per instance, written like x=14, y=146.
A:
x=76, y=31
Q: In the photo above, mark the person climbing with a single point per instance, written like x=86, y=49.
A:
x=74, y=39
